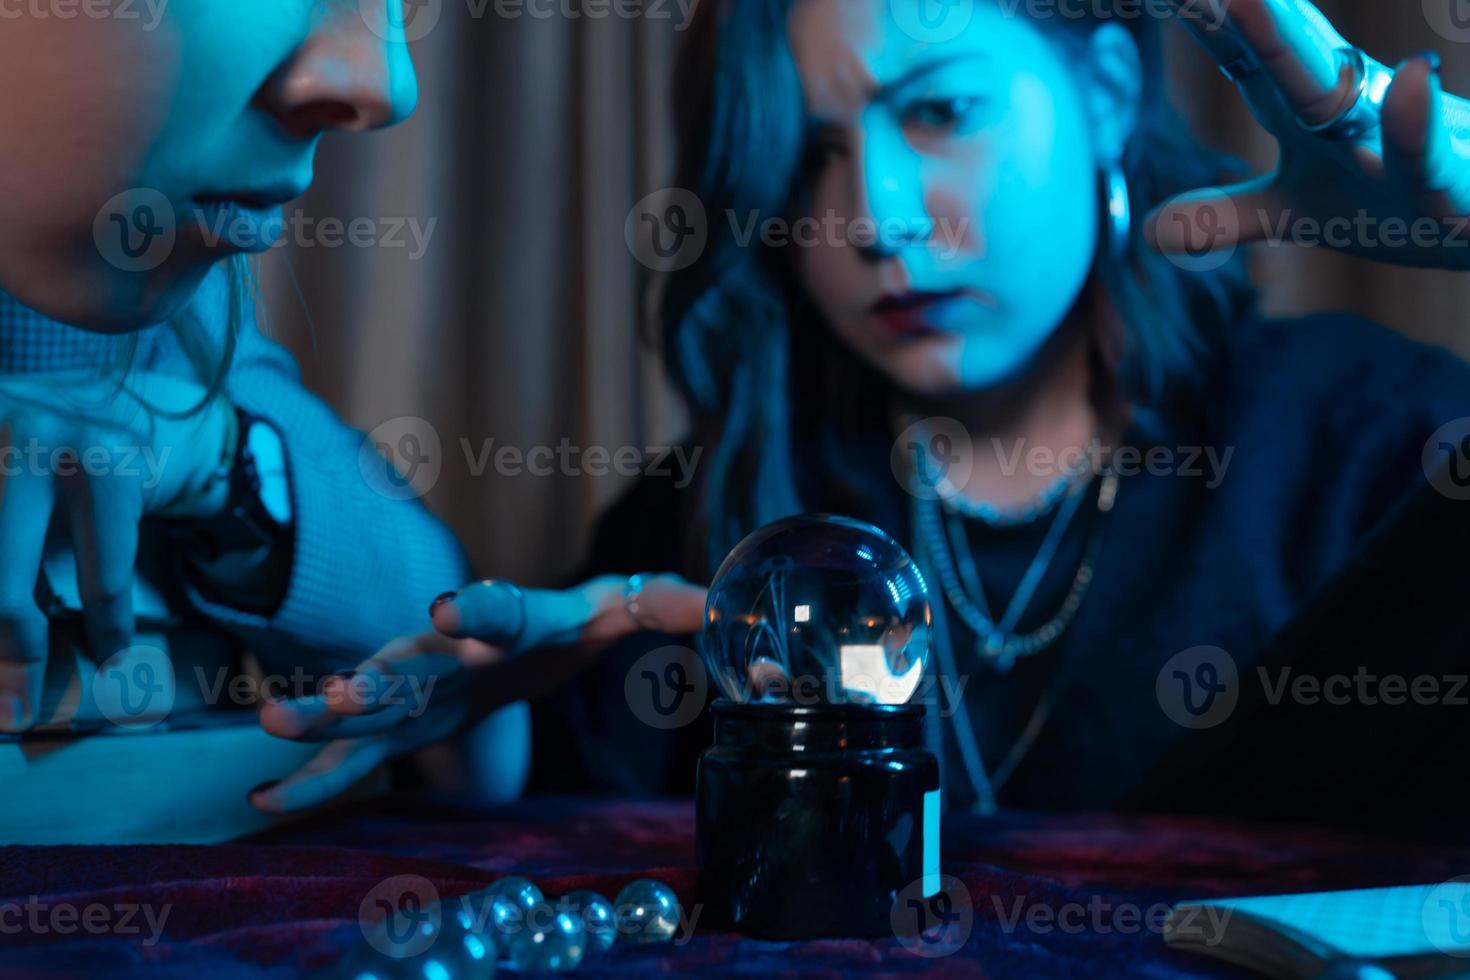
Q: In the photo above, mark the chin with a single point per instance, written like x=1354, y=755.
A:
x=931, y=373
x=946, y=366
x=106, y=301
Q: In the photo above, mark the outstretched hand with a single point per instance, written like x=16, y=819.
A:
x=1397, y=190
x=495, y=644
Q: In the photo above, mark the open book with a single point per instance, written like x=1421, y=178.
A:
x=1404, y=932
x=157, y=787
x=81, y=777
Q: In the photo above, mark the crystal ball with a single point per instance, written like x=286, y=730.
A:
x=817, y=609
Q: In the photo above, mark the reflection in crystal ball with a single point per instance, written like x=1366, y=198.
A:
x=817, y=609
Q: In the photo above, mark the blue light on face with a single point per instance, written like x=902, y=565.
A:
x=967, y=145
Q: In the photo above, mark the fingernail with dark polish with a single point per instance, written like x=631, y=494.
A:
x=1431, y=56
x=442, y=598
x=268, y=784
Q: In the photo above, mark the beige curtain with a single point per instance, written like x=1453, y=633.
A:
x=533, y=139
x=519, y=323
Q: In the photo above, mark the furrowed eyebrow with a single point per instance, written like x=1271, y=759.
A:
x=919, y=72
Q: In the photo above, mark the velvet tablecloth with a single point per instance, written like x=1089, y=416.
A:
x=286, y=902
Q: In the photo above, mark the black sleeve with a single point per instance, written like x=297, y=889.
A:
x=1395, y=608
x=643, y=531
x=1394, y=761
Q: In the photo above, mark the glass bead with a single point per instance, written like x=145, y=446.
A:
x=521, y=890
x=455, y=954
x=548, y=941
x=510, y=899
x=398, y=941
x=817, y=609
x=477, y=954
x=595, y=913
x=647, y=912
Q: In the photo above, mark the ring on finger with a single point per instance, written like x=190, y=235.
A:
x=512, y=645
x=632, y=597
x=1364, y=111
x=1242, y=66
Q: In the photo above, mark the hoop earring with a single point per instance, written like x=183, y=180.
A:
x=1120, y=211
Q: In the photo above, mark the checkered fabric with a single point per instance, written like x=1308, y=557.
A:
x=366, y=566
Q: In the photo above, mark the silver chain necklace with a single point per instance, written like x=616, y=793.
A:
x=996, y=642
x=988, y=513
x=1001, y=652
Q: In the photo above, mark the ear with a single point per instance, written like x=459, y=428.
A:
x=1112, y=78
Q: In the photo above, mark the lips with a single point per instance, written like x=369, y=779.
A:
x=244, y=220
x=914, y=313
x=239, y=226
x=259, y=198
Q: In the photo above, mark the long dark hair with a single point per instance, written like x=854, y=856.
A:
x=209, y=352
x=735, y=328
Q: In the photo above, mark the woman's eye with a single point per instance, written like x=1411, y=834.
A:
x=945, y=113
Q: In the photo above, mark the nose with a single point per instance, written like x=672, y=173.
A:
x=889, y=193
x=352, y=73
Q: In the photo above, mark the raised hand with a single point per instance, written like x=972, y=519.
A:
x=1382, y=153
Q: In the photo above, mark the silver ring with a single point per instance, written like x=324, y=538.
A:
x=512, y=645
x=1241, y=66
x=1364, y=113
x=632, y=592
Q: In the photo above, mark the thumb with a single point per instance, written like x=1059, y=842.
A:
x=514, y=619
x=599, y=610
